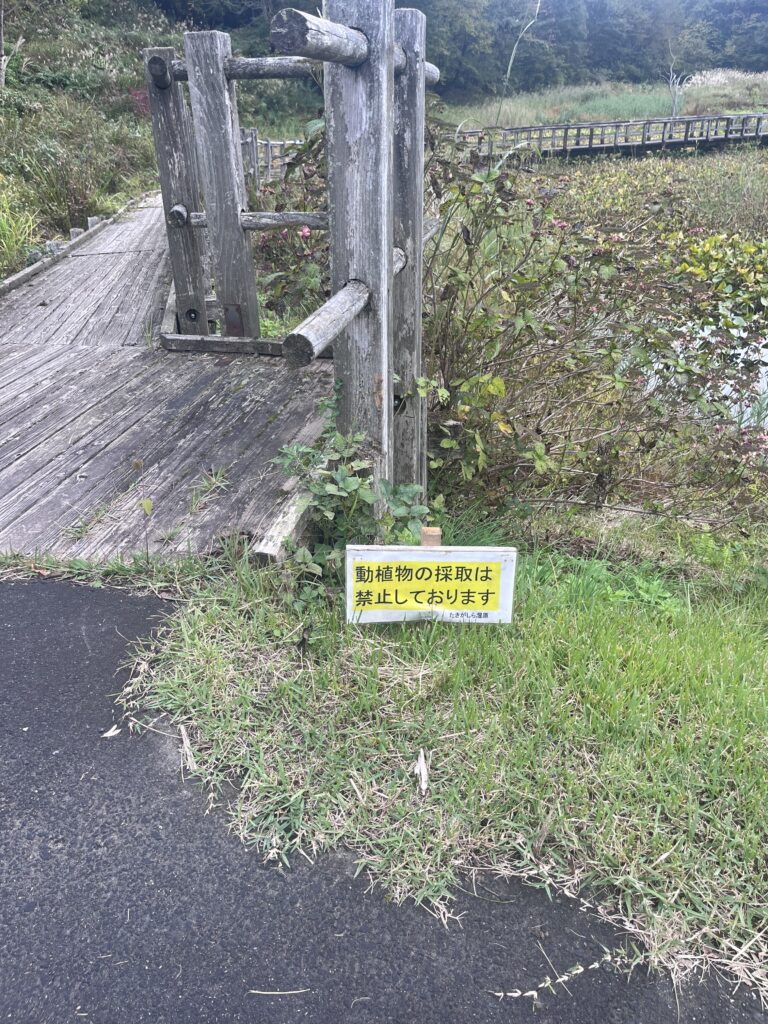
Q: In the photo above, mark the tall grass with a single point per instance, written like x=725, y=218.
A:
x=17, y=230
x=613, y=101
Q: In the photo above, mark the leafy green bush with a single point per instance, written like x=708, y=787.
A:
x=567, y=362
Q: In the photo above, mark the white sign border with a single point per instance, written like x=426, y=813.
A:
x=395, y=553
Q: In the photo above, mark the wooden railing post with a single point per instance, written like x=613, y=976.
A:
x=220, y=158
x=410, y=419
x=180, y=187
x=359, y=116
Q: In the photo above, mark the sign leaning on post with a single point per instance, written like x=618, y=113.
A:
x=387, y=583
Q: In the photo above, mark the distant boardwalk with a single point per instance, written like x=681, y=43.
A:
x=616, y=136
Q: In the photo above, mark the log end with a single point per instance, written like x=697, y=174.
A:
x=298, y=351
x=159, y=71
x=288, y=31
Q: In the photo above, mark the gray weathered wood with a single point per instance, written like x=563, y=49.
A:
x=179, y=183
x=318, y=39
x=314, y=335
x=217, y=132
x=262, y=68
x=304, y=35
x=431, y=73
x=359, y=116
x=272, y=221
x=410, y=420
x=259, y=68
x=318, y=331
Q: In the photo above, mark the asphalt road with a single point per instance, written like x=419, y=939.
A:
x=122, y=902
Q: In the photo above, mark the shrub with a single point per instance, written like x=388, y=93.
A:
x=566, y=363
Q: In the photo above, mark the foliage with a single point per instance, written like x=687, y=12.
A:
x=610, y=742
x=344, y=506
x=565, y=360
x=75, y=139
x=17, y=230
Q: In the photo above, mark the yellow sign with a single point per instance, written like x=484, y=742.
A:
x=414, y=586
x=386, y=584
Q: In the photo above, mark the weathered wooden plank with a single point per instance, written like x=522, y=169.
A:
x=221, y=345
x=177, y=169
x=359, y=113
x=217, y=131
x=410, y=411
x=70, y=478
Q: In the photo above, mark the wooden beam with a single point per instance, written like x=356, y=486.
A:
x=359, y=111
x=304, y=35
x=314, y=335
x=271, y=221
x=410, y=409
x=307, y=341
x=179, y=184
x=261, y=68
x=220, y=158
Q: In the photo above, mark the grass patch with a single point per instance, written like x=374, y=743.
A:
x=614, y=101
x=611, y=742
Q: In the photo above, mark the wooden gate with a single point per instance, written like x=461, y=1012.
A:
x=375, y=75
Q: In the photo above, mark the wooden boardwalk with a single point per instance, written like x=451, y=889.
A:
x=94, y=419
x=593, y=137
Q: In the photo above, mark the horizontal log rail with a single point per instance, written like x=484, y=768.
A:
x=254, y=69
x=312, y=337
x=309, y=37
x=258, y=221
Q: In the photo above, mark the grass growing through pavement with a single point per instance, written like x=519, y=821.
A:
x=612, y=741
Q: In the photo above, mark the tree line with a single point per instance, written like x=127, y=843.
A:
x=571, y=41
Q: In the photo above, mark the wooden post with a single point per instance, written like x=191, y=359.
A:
x=410, y=419
x=220, y=158
x=359, y=113
x=431, y=537
x=179, y=184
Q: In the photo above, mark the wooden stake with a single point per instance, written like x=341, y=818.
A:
x=410, y=413
x=220, y=159
x=359, y=114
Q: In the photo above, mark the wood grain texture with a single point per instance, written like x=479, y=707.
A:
x=359, y=119
x=313, y=336
x=73, y=476
x=219, y=153
x=304, y=35
x=410, y=419
x=104, y=292
x=92, y=420
x=259, y=68
x=177, y=167
x=272, y=221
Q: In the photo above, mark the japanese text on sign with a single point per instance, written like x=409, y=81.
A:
x=462, y=585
